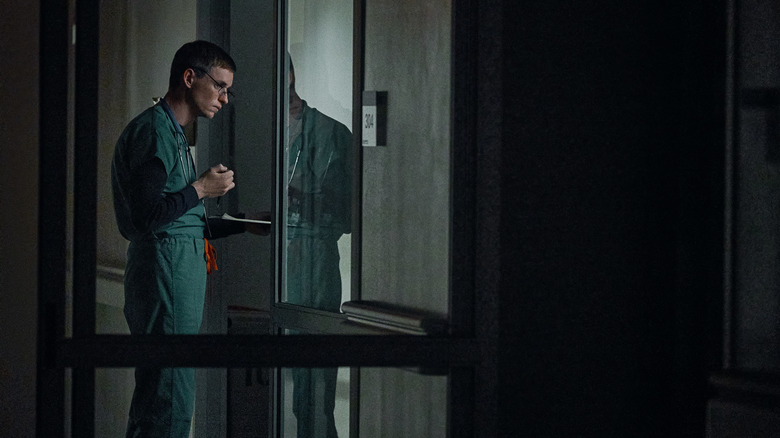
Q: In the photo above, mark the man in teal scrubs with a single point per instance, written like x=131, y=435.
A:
x=158, y=207
x=319, y=179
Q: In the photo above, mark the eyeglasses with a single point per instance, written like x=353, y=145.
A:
x=221, y=88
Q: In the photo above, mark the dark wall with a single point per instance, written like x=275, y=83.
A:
x=612, y=138
x=19, y=25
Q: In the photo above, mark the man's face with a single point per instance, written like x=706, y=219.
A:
x=210, y=92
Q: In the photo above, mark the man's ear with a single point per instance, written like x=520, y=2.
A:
x=189, y=77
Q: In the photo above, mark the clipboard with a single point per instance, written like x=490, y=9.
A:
x=228, y=217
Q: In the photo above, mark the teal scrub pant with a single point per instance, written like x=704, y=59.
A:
x=165, y=287
x=314, y=280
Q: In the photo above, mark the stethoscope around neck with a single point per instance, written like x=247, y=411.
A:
x=185, y=168
x=189, y=166
x=181, y=141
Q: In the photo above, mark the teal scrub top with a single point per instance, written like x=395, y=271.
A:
x=154, y=133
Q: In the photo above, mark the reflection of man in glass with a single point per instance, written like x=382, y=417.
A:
x=319, y=212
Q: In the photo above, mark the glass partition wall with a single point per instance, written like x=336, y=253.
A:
x=360, y=243
x=315, y=189
x=317, y=168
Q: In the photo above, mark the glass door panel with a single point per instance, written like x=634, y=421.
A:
x=317, y=153
x=316, y=183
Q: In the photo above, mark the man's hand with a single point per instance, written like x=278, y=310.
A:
x=214, y=182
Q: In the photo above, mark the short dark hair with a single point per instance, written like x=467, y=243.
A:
x=201, y=56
